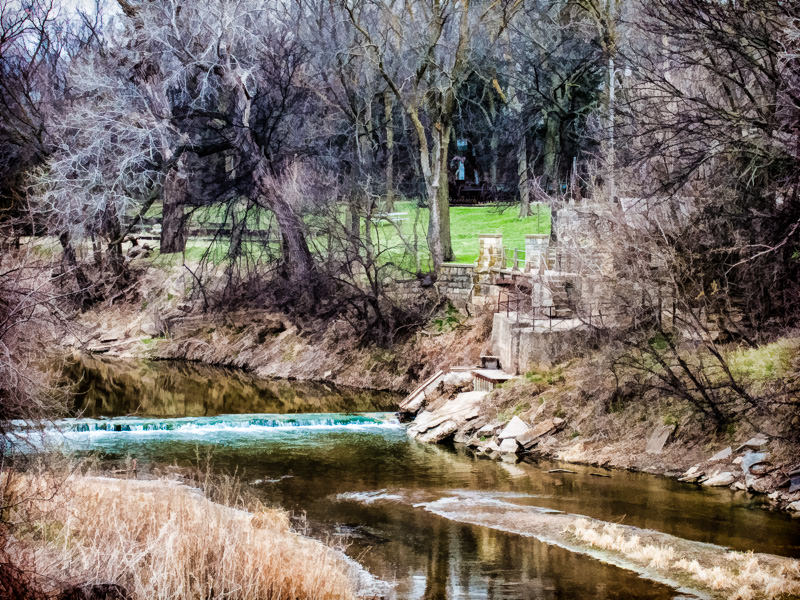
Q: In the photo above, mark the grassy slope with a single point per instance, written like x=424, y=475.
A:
x=604, y=428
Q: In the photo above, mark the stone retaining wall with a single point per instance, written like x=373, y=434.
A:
x=455, y=282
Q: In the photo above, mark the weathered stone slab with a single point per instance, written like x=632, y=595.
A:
x=515, y=428
x=439, y=433
x=659, y=438
x=533, y=435
x=754, y=442
x=509, y=446
x=721, y=455
x=720, y=479
x=487, y=429
x=692, y=474
x=464, y=407
x=490, y=448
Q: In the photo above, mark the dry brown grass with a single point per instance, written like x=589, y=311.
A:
x=736, y=575
x=164, y=540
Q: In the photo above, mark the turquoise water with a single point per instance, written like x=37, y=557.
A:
x=343, y=474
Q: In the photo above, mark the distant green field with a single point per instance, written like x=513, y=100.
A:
x=466, y=224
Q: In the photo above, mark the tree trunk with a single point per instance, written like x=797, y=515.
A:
x=443, y=202
x=438, y=198
x=494, y=140
x=552, y=143
x=113, y=230
x=173, y=231
x=522, y=179
x=84, y=294
x=387, y=107
x=298, y=262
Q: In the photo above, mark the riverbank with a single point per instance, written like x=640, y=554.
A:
x=163, y=539
x=571, y=413
x=162, y=324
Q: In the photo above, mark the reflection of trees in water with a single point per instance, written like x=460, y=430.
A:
x=169, y=388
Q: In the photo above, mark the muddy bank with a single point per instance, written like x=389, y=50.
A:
x=267, y=345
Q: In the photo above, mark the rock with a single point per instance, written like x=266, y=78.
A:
x=515, y=428
x=464, y=407
x=509, y=445
x=491, y=447
x=794, y=483
x=462, y=436
x=487, y=429
x=692, y=474
x=737, y=460
x=720, y=479
x=535, y=433
x=757, y=484
x=659, y=438
x=414, y=405
x=794, y=506
x=773, y=495
x=762, y=468
x=149, y=328
x=457, y=378
x=738, y=486
x=750, y=459
x=721, y=455
x=573, y=453
x=439, y=433
x=562, y=471
x=754, y=442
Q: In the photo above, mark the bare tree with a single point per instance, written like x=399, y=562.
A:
x=422, y=51
x=701, y=117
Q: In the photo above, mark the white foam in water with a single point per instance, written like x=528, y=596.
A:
x=370, y=497
x=83, y=429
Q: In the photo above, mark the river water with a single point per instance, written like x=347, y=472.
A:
x=340, y=459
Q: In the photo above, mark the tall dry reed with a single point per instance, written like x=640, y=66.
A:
x=164, y=540
x=734, y=575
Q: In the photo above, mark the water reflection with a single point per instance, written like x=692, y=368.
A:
x=178, y=389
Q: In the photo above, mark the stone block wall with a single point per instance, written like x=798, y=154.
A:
x=455, y=282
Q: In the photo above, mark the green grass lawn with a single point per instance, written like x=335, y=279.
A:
x=466, y=224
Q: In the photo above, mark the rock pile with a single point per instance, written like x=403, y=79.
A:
x=749, y=468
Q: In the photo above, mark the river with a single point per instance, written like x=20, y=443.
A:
x=341, y=460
